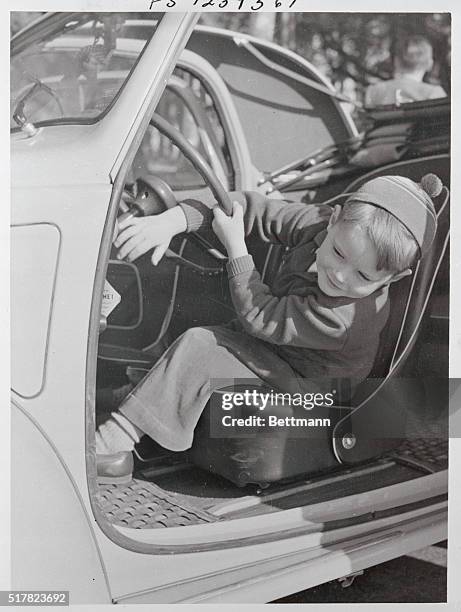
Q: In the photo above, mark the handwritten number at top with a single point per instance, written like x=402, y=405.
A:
x=256, y=6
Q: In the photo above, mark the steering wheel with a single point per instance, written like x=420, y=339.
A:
x=196, y=160
x=19, y=115
x=154, y=195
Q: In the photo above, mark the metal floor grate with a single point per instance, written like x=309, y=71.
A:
x=431, y=451
x=142, y=505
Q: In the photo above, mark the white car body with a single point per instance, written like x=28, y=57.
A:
x=65, y=182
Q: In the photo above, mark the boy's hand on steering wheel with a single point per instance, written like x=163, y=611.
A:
x=137, y=235
x=231, y=230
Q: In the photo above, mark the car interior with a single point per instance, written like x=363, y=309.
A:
x=393, y=429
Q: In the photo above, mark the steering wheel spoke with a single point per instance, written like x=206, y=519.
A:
x=191, y=265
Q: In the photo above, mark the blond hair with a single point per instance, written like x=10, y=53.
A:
x=396, y=248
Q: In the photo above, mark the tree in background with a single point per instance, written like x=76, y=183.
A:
x=351, y=49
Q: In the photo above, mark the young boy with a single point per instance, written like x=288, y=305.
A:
x=320, y=319
x=413, y=60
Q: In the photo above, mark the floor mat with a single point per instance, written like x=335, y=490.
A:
x=432, y=453
x=143, y=505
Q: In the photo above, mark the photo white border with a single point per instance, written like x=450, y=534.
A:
x=324, y=6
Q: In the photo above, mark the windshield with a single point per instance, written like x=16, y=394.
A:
x=74, y=72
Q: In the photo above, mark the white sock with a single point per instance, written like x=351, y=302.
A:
x=116, y=434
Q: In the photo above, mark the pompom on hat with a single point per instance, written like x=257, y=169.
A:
x=410, y=202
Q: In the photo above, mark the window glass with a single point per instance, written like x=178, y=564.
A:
x=157, y=154
x=188, y=107
x=75, y=72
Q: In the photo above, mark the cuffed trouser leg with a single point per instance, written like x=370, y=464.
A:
x=168, y=402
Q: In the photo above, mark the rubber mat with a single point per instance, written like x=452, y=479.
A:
x=142, y=505
x=433, y=452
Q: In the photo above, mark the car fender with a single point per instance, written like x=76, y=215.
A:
x=52, y=541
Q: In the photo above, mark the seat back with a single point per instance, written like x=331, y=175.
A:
x=409, y=298
x=408, y=301
x=380, y=402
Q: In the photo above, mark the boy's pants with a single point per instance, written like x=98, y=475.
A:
x=168, y=402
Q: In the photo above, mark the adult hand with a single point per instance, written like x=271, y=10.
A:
x=231, y=230
x=137, y=235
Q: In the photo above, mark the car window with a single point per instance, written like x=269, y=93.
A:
x=216, y=127
x=157, y=155
x=187, y=106
x=75, y=72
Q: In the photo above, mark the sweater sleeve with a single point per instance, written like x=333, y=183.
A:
x=288, y=320
x=276, y=221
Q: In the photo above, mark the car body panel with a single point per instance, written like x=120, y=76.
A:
x=335, y=551
x=63, y=389
x=35, y=250
x=78, y=153
x=53, y=544
x=298, y=570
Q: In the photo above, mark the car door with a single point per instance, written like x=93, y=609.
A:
x=61, y=188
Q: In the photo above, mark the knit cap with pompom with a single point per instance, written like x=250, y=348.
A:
x=432, y=185
x=410, y=202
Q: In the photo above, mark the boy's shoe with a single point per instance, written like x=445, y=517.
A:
x=116, y=468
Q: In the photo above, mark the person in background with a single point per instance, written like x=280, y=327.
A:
x=79, y=90
x=412, y=61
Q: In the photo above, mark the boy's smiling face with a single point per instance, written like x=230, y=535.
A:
x=346, y=262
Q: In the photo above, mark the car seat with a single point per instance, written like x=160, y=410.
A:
x=373, y=422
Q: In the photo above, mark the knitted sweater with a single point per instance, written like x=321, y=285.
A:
x=318, y=335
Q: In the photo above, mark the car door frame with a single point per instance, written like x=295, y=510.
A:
x=246, y=175
x=64, y=171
